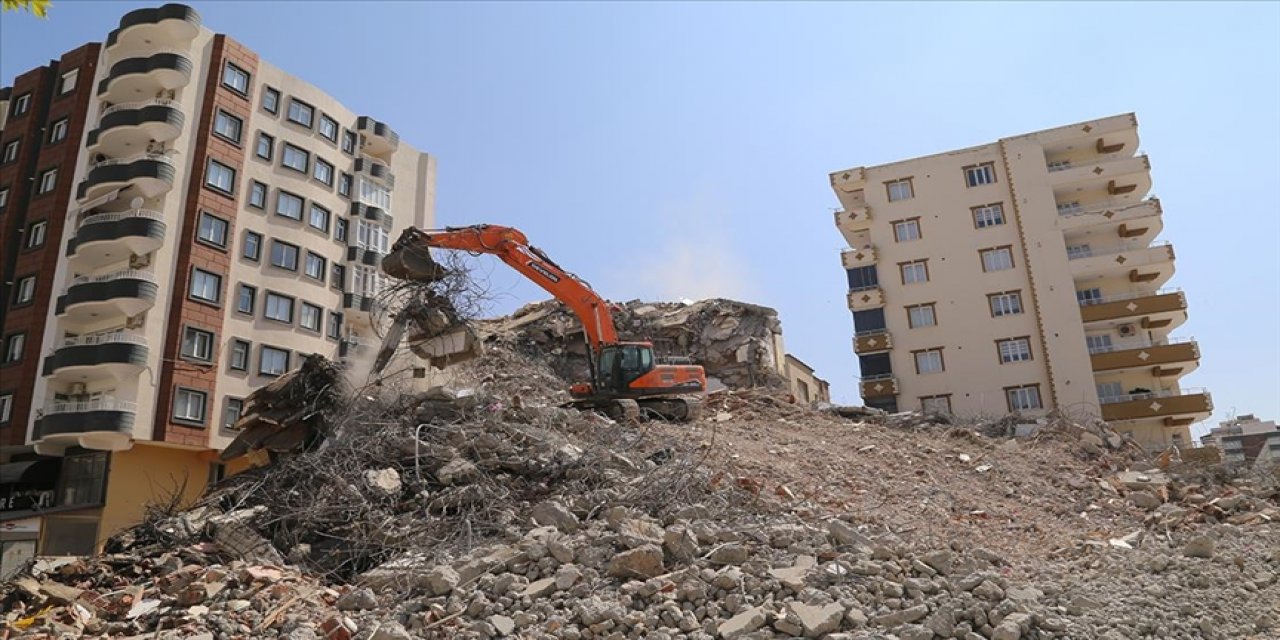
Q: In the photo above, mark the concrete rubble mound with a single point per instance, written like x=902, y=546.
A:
x=485, y=510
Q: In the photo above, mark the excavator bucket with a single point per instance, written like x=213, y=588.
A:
x=412, y=263
x=434, y=332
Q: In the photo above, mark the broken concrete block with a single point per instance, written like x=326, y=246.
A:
x=1199, y=547
x=539, y=588
x=554, y=514
x=641, y=562
x=442, y=580
x=844, y=533
x=742, y=624
x=357, y=599
x=383, y=481
x=729, y=554
x=817, y=620
x=457, y=471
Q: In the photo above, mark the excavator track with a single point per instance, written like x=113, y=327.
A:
x=672, y=409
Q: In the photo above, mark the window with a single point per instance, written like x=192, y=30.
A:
x=906, y=230
x=48, y=180
x=288, y=205
x=6, y=407
x=335, y=325
x=271, y=100
x=25, y=291
x=231, y=412
x=252, y=247
x=328, y=128
x=921, y=315
x=981, y=174
x=36, y=232
x=279, y=308
x=1069, y=208
x=213, y=230
x=10, y=151
x=227, y=126
x=13, y=347
x=338, y=276
x=936, y=404
x=4, y=198
x=221, y=177
x=997, y=259
x=1023, y=398
x=340, y=230
x=1005, y=304
x=372, y=237
x=374, y=194
x=246, y=296
x=266, y=143
x=68, y=81
x=318, y=218
x=1098, y=343
x=83, y=480
x=21, y=104
x=1109, y=391
x=870, y=320
x=295, y=158
x=1058, y=165
x=344, y=185
x=1014, y=350
x=310, y=316
x=1089, y=296
x=257, y=195
x=239, y=360
x=197, y=344
x=323, y=172
x=314, y=267
x=300, y=112
x=862, y=278
x=1077, y=251
x=284, y=255
x=349, y=142
x=273, y=361
x=900, y=190
x=929, y=361
x=988, y=215
x=189, y=405
x=206, y=286
x=236, y=79
x=913, y=272
x=58, y=131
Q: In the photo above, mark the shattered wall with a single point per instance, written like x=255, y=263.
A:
x=739, y=344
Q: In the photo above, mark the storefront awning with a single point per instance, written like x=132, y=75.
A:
x=41, y=472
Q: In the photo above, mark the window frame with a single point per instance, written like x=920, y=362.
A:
x=346, y=182
x=914, y=266
x=178, y=392
x=1009, y=395
x=997, y=297
x=305, y=306
x=50, y=176
x=244, y=245
x=911, y=188
x=306, y=158
x=333, y=329
x=315, y=169
x=931, y=307
x=281, y=194
x=266, y=306
x=306, y=266
x=945, y=397
x=340, y=229
x=241, y=290
x=191, y=294
x=21, y=105
x=221, y=115
x=297, y=254
x=6, y=407
x=5, y=156
x=268, y=90
x=228, y=66
x=232, y=354
x=942, y=362
x=1007, y=248
x=252, y=200
x=309, y=109
x=983, y=211
x=62, y=125
x=985, y=169
x=210, y=340
x=337, y=275
x=349, y=142
x=10, y=354
x=1014, y=357
x=311, y=217
x=27, y=283
x=262, y=355
x=226, y=411
x=906, y=223
x=4, y=198
x=230, y=191
x=63, y=87
x=36, y=228
x=337, y=130
x=200, y=226
x=263, y=136
x=1093, y=295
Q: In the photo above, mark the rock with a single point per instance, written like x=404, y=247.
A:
x=567, y=576
x=457, y=471
x=1024, y=594
x=358, y=599
x=939, y=561
x=552, y=513
x=1091, y=439
x=539, y=588
x=817, y=620
x=844, y=533
x=634, y=533
x=742, y=624
x=1144, y=500
x=729, y=554
x=915, y=632
x=562, y=552
x=855, y=617
x=641, y=562
x=1012, y=627
x=502, y=624
x=391, y=631
x=903, y=616
x=1199, y=547
x=989, y=590
x=384, y=481
x=681, y=544
x=442, y=580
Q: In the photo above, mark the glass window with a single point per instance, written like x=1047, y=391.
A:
x=271, y=100
x=239, y=355
x=68, y=81
x=929, y=361
x=1024, y=398
x=328, y=128
x=206, y=286
x=1069, y=208
x=340, y=230
x=6, y=407
x=295, y=158
x=372, y=237
x=1099, y=343
x=319, y=218
x=335, y=325
x=906, y=230
x=58, y=131
x=189, y=405
x=981, y=174
x=988, y=216
x=344, y=185
x=220, y=177
x=1077, y=251
x=374, y=194
x=36, y=233
x=231, y=413
x=197, y=344
x=323, y=172
x=4, y=198
x=26, y=290
x=212, y=230
x=83, y=479
x=235, y=78
x=300, y=112
x=284, y=255
x=1014, y=350
x=900, y=190
x=1005, y=304
x=310, y=316
x=921, y=315
x=997, y=259
x=48, y=180
x=227, y=126
x=10, y=151
x=913, y=272
x=1109, y=392
x=266, y=143
x=315, y=266
x=13, y=346
x=257, y=195
x=252, y=246
x=337, y=275
x=288, y=205
x=936, y=404
x=279, y=308
x=1089, y=296
x=21, y=104
x=273, y=361
x=349, y=142
x=246, y=296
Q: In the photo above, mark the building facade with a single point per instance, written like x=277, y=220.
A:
x=803, y=382
x=1245, y=440
x=181, y=222
x=1020, y=276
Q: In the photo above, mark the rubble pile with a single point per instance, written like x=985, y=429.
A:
x=291, y=411
x=737, y=343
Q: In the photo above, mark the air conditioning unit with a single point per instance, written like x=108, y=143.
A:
x=139, y=262
x=1127, y=330
x=77, y=389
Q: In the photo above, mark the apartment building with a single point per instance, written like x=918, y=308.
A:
x=1245, y=439
x=1022, y=276
x=181, y=222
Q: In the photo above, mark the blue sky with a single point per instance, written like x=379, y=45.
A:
x=682, y=150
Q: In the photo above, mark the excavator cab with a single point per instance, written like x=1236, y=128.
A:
x=621, y=364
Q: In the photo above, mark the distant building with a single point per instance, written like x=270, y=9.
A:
x=803, y=384
x=1245, y=440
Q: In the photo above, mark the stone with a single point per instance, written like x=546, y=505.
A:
x=358, y=600
x=989, y=556
x=567, y=576
x=1024, y=594
x=634, y=533
x=391, y=631
x=680, y=544
x=1199, y=547
x=502, y=624
x=552, y=513
x=989, y=590
x=915, y=632
x=457, y=471
x=562, y=552
x=442, y=580
x=939, y=561
x=903, y=616
x=855, y=617
x=1091, y=439
x=1012, y=627
x=383, y=481
x=641, y=562
x=844, y=533
x=817, y=620
x=729, y=554
x=1144, y=500
x=539, y=588
x=742, y=624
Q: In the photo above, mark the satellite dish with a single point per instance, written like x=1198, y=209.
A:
x=136, y=203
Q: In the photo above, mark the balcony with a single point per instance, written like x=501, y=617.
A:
x=139, y=78
x=1160, y=309
x=852, y=220
x=378, y=138
x=1152, y=264
x=1126, y=218
x=854, y=258
x=118, y=354
x=106, y=238
x=146, y=174
x=126, y=293
x=168, y=26
x=865, y=342
x=124, y=129
x=371, y=213
x=1174, y=407
x=880, y=386
x=864, y=298
x=101, y=423
x=1164, y=357
x=362, y=255
x=1129, y=177
x=359, y=302
x=374, y=169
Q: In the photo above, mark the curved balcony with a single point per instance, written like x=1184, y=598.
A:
x=1164, y=309
x=1174, y=406
x=113, y=354
x=125, y=293
x=101, y=423
x=861, y=257
x=167, y=26
x=1152, y=264
x=376, y=170
x=1165, y=358
x=379, y=139
x=147, y=174
x=880, y=386
x=370, y=212
x=864, y=298
x=126, y=128
x=1121, y=176
x=873, y=341
x=111, y=237
x=134, y=79
x=361, y=255
x=358, y=302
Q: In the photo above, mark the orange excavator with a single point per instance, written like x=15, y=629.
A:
x=627, y=381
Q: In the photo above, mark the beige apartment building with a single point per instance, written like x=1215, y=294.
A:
x=1022, y=276
x=182, y=221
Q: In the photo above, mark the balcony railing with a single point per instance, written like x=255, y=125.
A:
x=157, y=102
x=85, y=406
x=865, y=287
x=1137, y=344
x=1147, y=395
x=127, y=274
x=879, y=376
x=98, y=218
x=111, y=162
x=1080, y=252
x=1127, y=296
x=106, y=337
x=1067, y=209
